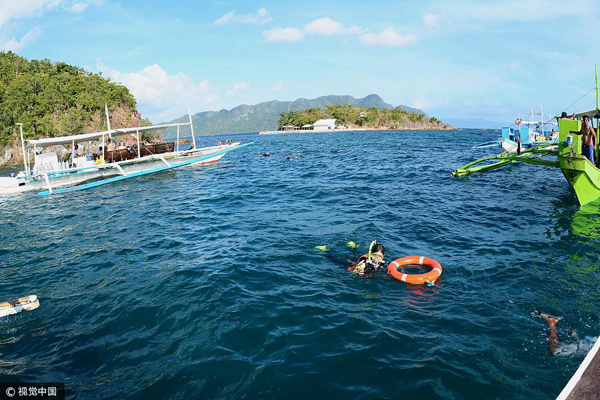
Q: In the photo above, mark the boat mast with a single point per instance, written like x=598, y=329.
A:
x=597, y=111
x=107, y=119
x=597, y=99
x=23, y=147
x=137, y=133
x=531, y=112
x=108, y=128
x=542, y=114
x=192, y=128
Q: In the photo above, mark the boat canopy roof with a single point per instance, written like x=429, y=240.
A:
x=538, y=123
x=590, y=113
x=68, y=139
x=147, y=128
x=85, y=137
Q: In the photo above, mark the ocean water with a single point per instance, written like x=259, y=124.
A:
x=205, y=282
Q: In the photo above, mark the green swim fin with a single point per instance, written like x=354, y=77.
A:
x=322, y=248
x=351, y=244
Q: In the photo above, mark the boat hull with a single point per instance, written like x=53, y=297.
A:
x=511, y=147
x=577, y=169
x=583, y=176
x=15, y=185
x=18, y=185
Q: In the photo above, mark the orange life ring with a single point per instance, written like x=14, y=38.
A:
x=519, y=121
x=417, y=279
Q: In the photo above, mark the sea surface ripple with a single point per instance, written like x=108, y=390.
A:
x=205, y=282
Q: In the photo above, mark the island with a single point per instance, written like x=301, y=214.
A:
x=346, y=117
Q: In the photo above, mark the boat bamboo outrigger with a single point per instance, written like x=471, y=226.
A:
x=51, y=175
x=580, y=172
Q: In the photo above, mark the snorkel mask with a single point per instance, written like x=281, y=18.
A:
x=378, y=257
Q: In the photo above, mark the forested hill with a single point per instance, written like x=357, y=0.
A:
x=264, y=116
x=57, y=99
x=352, y=117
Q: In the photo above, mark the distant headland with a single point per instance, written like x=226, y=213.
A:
x=346, y=117
x=347, y=110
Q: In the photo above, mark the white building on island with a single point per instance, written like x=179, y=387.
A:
x=324, y=124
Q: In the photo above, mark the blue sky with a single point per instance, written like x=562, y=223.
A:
x=459, y=59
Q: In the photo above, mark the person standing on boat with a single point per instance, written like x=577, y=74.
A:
x=588, y=139
x=565, y=116
x=518, y=140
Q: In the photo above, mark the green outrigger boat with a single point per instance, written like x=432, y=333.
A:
x=577, y=169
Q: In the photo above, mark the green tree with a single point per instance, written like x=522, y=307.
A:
x=53, y=99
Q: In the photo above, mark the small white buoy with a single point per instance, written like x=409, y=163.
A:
x=26, y=303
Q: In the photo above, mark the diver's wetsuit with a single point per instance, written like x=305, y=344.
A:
x=365, y=266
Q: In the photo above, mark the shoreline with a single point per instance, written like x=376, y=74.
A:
x=356, y=130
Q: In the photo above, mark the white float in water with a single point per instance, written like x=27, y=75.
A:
x=26, y=303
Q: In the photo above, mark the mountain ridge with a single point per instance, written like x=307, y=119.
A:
x=263, y=116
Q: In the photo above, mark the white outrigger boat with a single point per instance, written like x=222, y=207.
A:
x=49, y=175
x=529, y=134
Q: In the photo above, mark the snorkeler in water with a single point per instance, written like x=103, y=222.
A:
x=584, y=344
x=370, y=262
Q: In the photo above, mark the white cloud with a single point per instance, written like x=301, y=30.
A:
x=388, y=37
x=136, y=51
x=78, y=7
x=16, y=46
x=15, y=9
x=225, y=18
x=279, y=86
x=237, y=87
x=432, y=20
x=162, y=96
x=327, y=26
x=81, y=6
x=283, y=35
x=240, y=86
x=321, y=26
x=260, y=17
x=420, y=103
x=22, y=8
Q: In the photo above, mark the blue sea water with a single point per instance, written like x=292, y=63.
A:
x=205, y=282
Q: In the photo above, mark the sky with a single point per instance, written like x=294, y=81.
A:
x=452, y=59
